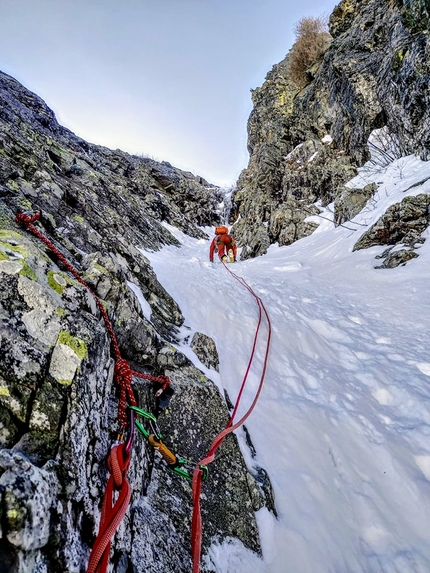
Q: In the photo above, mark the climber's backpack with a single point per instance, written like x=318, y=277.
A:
x=221, y=231
x=225, y=239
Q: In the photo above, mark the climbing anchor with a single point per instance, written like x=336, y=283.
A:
x=177, y=465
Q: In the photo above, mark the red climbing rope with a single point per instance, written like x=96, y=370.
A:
x=118, y=463
x=196, y=525
x=119, y=458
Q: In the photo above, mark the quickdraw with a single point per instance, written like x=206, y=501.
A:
x=179, y=466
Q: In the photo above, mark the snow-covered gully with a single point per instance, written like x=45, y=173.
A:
x=343, y=423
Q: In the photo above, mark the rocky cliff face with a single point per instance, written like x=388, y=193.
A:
x=57, y=399
x=305, y=145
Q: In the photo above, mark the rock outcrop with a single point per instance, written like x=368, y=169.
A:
x=205, y=349
x=305, y=145
x=58, y=405
x=401, y=226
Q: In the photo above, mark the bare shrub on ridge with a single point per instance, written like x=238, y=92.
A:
x=312, y=40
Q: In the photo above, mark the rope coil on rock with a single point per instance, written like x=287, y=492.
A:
x=119, y=458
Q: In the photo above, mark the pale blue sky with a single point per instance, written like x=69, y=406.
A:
x=166, y=78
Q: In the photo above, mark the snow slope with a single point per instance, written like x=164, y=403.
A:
x=343, y=422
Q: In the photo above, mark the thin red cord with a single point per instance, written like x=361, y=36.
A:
x=196, y=525
x=123, y=373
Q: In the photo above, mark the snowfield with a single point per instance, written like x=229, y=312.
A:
x=343, y=423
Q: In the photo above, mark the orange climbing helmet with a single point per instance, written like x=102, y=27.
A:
x=221, y=231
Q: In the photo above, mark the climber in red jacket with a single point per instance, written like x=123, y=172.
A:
x=224, y=244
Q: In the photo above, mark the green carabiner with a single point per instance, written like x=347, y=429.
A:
x=152, y=419
x=180, y=470
x=175, y=464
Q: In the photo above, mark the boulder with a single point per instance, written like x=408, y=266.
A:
x=402, y=224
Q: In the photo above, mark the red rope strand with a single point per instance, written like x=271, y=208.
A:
x=196, y=525
x=112, y=514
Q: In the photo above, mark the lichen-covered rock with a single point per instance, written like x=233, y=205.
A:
x=205, y=349
x=28, y=495
x=402, y=223
x=342, y=17
x=195, y=415
x=58, y=403
x=89, y=193
x=397, y=258
x=351, y=201
x=305, y=145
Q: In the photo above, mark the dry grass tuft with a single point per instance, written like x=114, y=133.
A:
x=312, y=40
